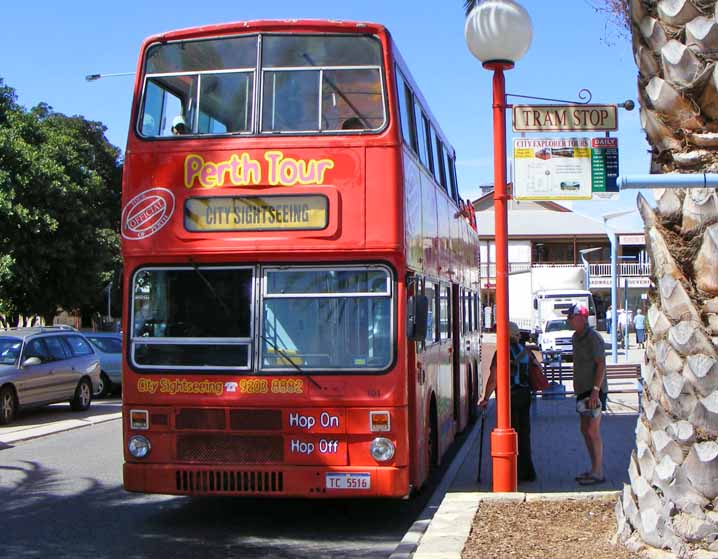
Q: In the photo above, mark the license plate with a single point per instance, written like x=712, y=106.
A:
x=348, y=481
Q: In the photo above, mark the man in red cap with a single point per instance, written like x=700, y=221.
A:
x=591, y=388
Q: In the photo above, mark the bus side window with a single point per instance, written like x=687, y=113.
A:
x=452, y=176
x=428, y=133
x=420, y=130
x=403, y=96
x=444, y=312
x=430, y=292
x=439, y=170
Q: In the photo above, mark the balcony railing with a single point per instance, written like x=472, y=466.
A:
x=632, y=269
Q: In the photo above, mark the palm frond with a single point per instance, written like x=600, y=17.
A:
x=469, y=5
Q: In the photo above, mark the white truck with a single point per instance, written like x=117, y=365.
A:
x=542, y=293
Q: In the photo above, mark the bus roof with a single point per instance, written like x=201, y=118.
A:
x=267, y=26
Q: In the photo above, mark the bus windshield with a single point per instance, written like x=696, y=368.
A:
x=315, y=319
x=308, y=83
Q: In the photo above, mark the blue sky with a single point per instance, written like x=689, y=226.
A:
x=51, y=47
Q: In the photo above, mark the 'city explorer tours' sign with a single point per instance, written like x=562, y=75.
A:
x=564, y=118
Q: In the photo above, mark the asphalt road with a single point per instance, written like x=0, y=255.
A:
x=62, y=496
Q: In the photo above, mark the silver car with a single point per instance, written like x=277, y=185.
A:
x=108, y=346
x=45, y=365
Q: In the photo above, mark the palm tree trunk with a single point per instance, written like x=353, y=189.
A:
x=674, y=469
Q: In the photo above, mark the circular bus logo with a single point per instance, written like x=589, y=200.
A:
x=147, y=213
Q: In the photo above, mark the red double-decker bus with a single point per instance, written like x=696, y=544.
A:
x=301, y=280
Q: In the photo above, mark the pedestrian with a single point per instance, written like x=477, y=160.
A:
x=520, y=400
x=622, y=325
x=609, y=318
x=639, y=323
x=591, y=388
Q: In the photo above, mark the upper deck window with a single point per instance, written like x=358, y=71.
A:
x=321, y=84
x=309, y=83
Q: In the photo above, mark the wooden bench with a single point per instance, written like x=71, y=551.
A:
x=625, y=373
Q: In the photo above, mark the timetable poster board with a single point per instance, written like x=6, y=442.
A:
x=552, y=169
x=604, y=165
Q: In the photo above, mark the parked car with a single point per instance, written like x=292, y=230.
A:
x=45, y=365
x=108, y=346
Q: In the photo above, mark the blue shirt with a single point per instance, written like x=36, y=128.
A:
x=520, y=366
x=639, y=322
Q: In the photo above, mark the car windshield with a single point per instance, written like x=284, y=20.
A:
x=106, y=345
x=9, y=350
x=556, y=325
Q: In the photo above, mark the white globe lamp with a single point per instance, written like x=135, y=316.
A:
x=498, y=31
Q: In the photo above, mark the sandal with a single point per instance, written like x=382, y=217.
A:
x=591, y=480
x=583, y=475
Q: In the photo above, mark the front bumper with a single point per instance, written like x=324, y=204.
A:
x=278, y=482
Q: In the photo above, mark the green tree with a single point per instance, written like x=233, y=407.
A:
x=59, y=210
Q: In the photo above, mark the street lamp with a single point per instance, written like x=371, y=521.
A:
x=498, y=33
x=614, y=273
x=95, y=77
x=586, y=265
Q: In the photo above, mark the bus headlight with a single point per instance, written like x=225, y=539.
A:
x=139, y=446
x=382, y=449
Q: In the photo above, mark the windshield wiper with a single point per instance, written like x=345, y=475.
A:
x=270, y=342
x=281, y=352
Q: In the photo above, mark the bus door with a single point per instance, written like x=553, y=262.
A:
x=457, y=350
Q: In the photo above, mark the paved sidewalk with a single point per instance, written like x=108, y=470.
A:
x=559, y=454
x=38, y=422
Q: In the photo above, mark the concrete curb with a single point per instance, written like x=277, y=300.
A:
x=34, y=431
x=455, y=503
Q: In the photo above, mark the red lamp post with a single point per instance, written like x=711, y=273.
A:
x=498, y=33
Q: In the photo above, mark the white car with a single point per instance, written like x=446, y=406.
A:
x=556, y=336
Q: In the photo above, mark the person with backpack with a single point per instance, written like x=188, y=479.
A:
x=520, y=400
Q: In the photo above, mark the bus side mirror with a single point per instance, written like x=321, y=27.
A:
x=535, y=304
x=416, y=316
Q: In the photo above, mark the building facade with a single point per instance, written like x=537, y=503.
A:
x=548, y=234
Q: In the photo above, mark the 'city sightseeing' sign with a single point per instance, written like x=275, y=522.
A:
x=256, y=213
